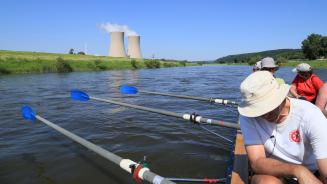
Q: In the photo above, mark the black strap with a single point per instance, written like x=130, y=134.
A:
x=193, y=118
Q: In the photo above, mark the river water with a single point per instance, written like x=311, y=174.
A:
x=31, y=152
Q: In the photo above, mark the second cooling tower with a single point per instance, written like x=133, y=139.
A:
x=134, y=49
x=117, y=48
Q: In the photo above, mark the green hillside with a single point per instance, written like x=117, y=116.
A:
x=281, y=55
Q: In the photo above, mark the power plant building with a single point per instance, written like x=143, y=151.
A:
x=134, y=49
x=117, y=48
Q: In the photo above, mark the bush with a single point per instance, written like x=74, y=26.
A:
x=134, y=64
x=100, y=65
x=166, y=64
x=63, y=65
x=281, y=60
x=4, y=70
x=152, y=64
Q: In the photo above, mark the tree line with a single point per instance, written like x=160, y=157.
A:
x=72, y=51
x=313, y=47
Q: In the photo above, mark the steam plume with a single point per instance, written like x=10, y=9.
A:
x=109, y=27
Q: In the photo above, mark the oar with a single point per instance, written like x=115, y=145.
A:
x=204, y=180
x=133, y=90
x=138, y=170
x=82, y=96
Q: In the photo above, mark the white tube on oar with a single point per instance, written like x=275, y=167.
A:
x=133, y=90
x=82, y=96
x=144, y=173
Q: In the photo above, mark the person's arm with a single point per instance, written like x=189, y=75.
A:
x=322, y=99
x=317, y=82
x=268, y=166
x=315, y=127
x=293, y=91
x=322, y=165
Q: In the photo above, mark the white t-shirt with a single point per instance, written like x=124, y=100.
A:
x=300, y=139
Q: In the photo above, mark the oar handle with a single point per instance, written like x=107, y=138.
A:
x=197, y=119
x=143, y=173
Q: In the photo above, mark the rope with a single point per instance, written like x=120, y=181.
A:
x=218, y=135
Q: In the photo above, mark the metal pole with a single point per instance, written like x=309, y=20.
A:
x=214, y=100
x=197, y=119
x=144, y=173
x=204, y=180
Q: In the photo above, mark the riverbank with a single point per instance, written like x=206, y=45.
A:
x=313, y=63
x=316, y=64
x=16, y=62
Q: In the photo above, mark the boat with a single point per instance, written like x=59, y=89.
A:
x=238, y=172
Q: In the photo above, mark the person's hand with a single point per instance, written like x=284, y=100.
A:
x=302, y=98
x=305, y=176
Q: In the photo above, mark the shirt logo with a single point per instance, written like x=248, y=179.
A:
x=295, y=136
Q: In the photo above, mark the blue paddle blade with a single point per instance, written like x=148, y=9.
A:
x=28, y=113
x=79, y=95
x=128, y=89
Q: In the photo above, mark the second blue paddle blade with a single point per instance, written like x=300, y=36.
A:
x=79, y=95
x=28, y=113
x=128, y=89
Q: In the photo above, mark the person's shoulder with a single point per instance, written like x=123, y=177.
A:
x=244, y=119
x=304, y=109
x=296, y=79
x=280, y=80
x=315, y=77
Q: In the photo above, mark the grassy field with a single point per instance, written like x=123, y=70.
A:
x=313, y=63
x=12, y=62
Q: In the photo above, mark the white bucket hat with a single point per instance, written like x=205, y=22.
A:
x=261, y=94
x=257, y=65
x=268, y=62
x=303, y=67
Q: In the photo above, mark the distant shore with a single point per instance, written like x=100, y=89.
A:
x=316, y=64
x=16, y=62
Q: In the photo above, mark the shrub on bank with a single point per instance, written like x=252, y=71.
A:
x=152, y=63
x=100, y=65
x=63, y=66
x=167, y=64
x=3, y=70
x=134, y=64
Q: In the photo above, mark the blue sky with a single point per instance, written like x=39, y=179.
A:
x=175, y=29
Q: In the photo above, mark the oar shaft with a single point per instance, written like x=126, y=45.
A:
x=123, y=163
x=205, y=180
x=197, y=119
x=213, y=100
x=159, y=111
x=174, y=95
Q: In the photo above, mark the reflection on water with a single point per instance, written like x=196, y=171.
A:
x=33, y=153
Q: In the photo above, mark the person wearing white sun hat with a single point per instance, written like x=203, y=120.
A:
x=269, y=64
x=306, y=84
x=257, y=66
x=284, y=137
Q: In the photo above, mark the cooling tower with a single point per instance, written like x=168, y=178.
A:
x=134, y=49
x=117, y=48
